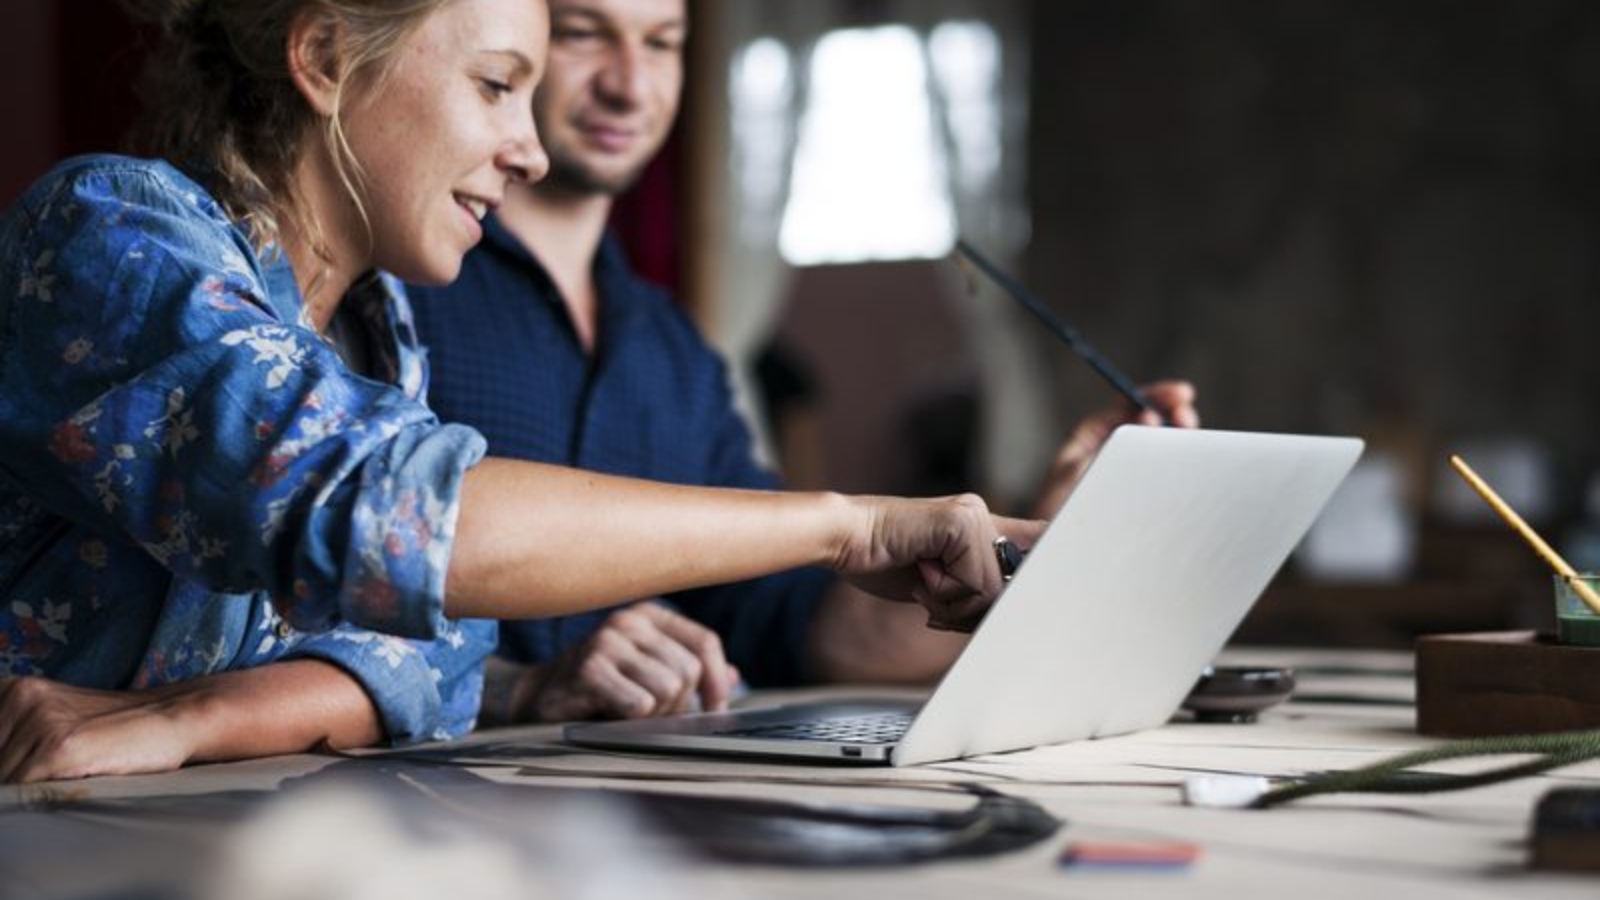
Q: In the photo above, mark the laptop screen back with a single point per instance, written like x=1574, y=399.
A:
x=1149, y=567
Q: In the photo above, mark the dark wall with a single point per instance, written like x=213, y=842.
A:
x=27, y=94
x=1334, y=215
x=69, y=68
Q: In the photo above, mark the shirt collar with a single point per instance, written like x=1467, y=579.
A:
x=373, y=301
x=613, y=274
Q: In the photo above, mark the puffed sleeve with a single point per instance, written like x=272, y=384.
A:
x=153, y=390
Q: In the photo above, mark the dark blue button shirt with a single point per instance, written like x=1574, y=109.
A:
x=651, y=402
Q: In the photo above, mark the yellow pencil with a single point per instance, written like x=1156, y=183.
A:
x=1579, y=586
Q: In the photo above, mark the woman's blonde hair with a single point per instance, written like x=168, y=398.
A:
x=220, y=100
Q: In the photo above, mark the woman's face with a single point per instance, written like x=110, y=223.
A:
x=443, y=136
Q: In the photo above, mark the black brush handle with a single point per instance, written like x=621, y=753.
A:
x=1060, y=329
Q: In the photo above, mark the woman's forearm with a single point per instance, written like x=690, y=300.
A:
x=535, y=540
x=545, y=540
x=308, y=703
x=50, y=730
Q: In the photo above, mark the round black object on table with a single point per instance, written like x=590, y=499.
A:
x=1238, y=693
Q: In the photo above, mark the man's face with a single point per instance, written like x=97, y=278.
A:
x=611, y=89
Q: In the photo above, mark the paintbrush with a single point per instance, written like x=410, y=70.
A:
x=1057, y=326
x=1562, y=567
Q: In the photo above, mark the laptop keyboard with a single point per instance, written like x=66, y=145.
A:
x=877, y=728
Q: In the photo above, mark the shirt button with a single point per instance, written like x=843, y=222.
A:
x=282, y=630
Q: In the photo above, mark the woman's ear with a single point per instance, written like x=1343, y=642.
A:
x=314, y=59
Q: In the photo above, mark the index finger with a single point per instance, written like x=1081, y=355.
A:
x=958, y=590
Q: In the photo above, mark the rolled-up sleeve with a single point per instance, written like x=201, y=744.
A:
x=422, y=690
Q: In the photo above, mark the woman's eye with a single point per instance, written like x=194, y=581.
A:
x=495, y=89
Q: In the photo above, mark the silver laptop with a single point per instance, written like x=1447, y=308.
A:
x=1138, y=582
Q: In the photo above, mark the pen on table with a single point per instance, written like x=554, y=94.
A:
x=1562, y=567
x=1075, y=341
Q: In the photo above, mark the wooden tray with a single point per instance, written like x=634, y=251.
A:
x=1507, y=682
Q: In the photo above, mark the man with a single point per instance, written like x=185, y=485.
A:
x=552, y=347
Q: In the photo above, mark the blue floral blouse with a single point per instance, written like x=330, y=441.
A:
x=192, y=480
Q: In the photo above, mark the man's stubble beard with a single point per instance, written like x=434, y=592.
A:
x=571, y=177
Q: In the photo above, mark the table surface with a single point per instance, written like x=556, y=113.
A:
x=515, y=813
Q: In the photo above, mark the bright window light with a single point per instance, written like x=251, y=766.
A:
x=870, y=178
x=966, y=64
x=762, y=88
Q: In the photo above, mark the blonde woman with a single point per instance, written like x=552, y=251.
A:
x=216, y=448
